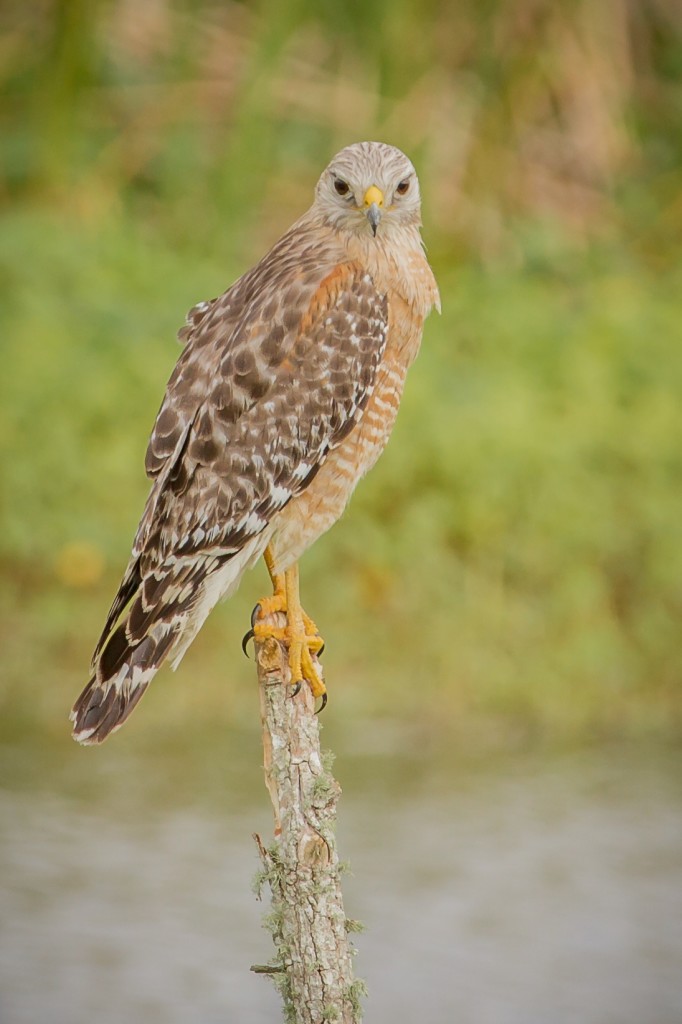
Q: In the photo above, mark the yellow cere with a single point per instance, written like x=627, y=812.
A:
x=374, y=195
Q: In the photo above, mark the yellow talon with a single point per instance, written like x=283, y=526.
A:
x=300, y=635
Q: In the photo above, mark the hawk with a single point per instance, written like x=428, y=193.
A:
x=284, y=396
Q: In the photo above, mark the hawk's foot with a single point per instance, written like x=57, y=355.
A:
x=300, y=635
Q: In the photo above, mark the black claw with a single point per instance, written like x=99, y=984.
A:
x=296, y=690
x=245, y=640
x=254, y=614
x=323, y=704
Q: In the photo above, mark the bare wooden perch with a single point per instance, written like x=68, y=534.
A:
x=312, y=967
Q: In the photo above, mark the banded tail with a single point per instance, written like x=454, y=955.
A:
x=159, y=617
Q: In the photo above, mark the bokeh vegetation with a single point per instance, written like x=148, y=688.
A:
x=512, y=570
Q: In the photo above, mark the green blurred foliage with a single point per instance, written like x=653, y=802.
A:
x=512, y=569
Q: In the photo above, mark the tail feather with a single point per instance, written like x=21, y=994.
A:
x=122, y=674
x=164, y=614
x=99, y=711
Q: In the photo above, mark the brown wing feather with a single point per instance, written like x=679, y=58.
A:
x=256, y=412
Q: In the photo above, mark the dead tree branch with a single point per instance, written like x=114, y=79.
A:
x=312, y=967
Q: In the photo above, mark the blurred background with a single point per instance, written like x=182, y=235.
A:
x=502, y=601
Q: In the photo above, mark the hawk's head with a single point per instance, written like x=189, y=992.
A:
x=369, y=188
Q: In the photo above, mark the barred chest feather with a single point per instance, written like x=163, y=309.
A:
x=314, y=511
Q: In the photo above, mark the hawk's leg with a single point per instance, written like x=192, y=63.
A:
x=278, y=601
x=300, y=635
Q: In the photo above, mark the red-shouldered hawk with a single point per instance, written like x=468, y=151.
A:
x=282, y=399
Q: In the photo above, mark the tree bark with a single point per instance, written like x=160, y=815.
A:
x=313, y=962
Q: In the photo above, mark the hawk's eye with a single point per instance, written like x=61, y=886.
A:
x=341, y=187
x=403, y=187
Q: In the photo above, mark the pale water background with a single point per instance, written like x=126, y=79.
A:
x=536, y=890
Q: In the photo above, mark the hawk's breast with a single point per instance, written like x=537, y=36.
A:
x=317, y=508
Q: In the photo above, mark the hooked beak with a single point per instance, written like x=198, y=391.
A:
x=373, y=201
